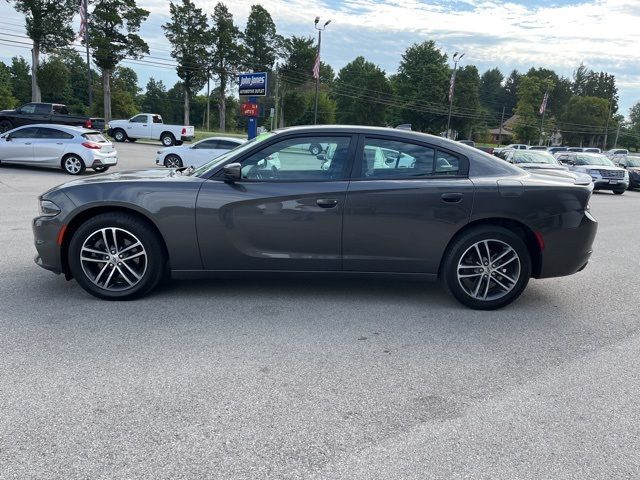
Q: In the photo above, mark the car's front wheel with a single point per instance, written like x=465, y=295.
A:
x=172, y=161
x=487, y=267
x=116, y=256
x=618, y=192
x=5, y=126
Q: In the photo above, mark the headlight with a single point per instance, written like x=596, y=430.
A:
x=594, y=172
x=48, y=208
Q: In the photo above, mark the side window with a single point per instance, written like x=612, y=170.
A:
x=30, y=132
x=139, y=119
x=157, y=119
x=292, y=160
x=447, y=164
x=43, y=109
x=391, y=158
x=207, y=145
x=60, y=110
x=227, y=144
x=53, y=133
x=28, y=108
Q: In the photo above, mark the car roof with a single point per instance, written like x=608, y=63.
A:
x=66, y=128
x=234, y=139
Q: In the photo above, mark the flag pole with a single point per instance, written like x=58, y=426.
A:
x=85, y=6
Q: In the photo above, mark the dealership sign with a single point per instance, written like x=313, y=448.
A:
x=250, y=109
x=253, y=84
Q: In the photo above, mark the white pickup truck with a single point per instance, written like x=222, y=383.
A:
x=149, y=126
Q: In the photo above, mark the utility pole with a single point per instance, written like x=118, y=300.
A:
x=316, y=66
x=606, y=128
x=208, y=100
x=274, y=120
x=615, y=144
x=86, y=43
x=501, y=123
x=452, y=86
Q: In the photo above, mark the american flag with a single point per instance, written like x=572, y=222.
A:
x=316, y=67
x=543, y=106
x=452, y=84
x=83, y=18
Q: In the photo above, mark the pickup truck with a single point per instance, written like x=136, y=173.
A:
x=149, y=126
x=35, y=112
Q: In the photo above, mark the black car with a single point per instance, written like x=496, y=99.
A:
x=631, y=165
x=37, y=113
x=379, y=201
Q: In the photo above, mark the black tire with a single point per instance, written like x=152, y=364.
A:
x=132, y=140
x=462, y=249
x=73, y=164
x=173, y=161
x=618, y=192
x=119, y=135
x=167, y=139
x=101, y=168
x=5, y=126
x=315, y=149
x=154, y=266
x=179, y=142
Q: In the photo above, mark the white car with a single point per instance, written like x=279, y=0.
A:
x=197, y=154
x=73, y=149
x=149, y=126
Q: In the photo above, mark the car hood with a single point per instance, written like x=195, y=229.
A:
x=147, y=175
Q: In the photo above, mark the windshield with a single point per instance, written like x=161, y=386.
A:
x=593, y=160
x=533, y=157
x=633, y=162
x=225, y=156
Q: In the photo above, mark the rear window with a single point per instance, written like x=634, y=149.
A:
x=94, y=137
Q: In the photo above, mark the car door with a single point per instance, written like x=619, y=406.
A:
x=205, y=151
x=49, y=145
x=401, y=214
x=284, y=214
x=17, y=146
x=138, y=127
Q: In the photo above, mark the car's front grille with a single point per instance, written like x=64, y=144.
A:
x=612, y=173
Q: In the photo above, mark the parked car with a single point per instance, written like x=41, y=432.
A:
x=482, y=226
x=538, y=147
x=591, y=150
x=38, y=113
x=631, y=165
x=616, y=154
x=543, y=162
x=574, y=149
x=73, y=149
x=197, y=154
x=513, y=146
x=605, y=175
x=556, y=149
x=151, y=127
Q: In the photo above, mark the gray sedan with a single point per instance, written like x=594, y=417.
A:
x=384, y=202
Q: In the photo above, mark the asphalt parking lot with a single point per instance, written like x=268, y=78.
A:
x=318, y=379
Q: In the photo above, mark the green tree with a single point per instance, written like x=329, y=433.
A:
x=466, y=101
x=78, y=100
x=226, y=54
x=7, y=100
x=54, y=77
x=530, y=93
x=260, y=40
x=511, y=85
x=579, y=80
x=155, y=98
x=48, y=25
x=20, y=80
x=591, y=112
x=124, y=94
x=113, y=33
x=491, y=91
x=189, y=36
x=423, y=77
x=362, y=92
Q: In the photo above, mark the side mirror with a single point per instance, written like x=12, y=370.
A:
x=232, y=172
x=7, y=138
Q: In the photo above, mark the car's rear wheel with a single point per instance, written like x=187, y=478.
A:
x=315, y=149
x=5, y=126
x=167, y=139
x=487, y=267
x=116, y=256
x=73, y=165
x=119, y=135
x=172, y=161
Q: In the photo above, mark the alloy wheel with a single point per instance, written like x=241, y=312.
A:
x=488, y=270
x=113, y=259
x=172, y=161
x=73, y=165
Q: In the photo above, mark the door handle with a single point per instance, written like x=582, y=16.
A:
x=27, y=143
x=327, y=202
x=59, y=143
x=144, y=125
x=451, y=197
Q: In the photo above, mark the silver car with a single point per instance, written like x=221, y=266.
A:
x=73, y=149
x=605, y=175
x=197, y=154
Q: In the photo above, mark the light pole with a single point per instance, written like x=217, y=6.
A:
x=316, y=65
x=452, y=87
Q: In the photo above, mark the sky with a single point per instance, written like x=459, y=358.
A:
x=516, y=34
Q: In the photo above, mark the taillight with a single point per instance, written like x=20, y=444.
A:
x=88, y=124
x=184, y=131
x=92, y=145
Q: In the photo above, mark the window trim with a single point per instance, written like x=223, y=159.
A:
x=345, y=177
x=356, y=171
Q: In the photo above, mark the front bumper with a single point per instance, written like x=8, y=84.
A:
x=611, y=184
x=46, y=231
x=568, y=241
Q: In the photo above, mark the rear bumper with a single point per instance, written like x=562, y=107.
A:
x=186, y=138
x=97, y=159
x=568, y=242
